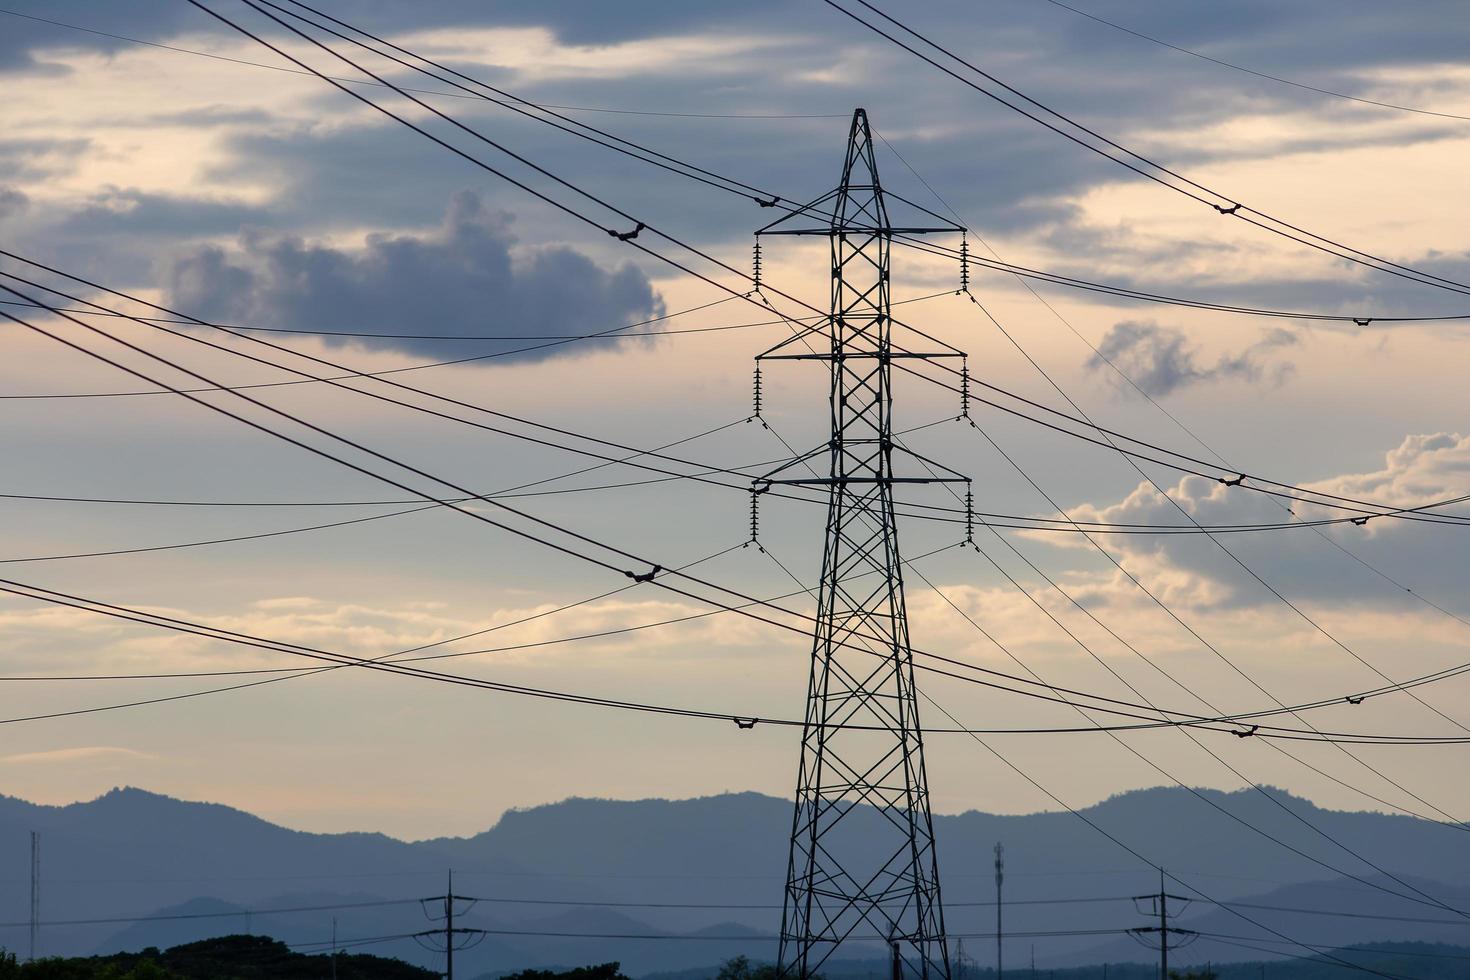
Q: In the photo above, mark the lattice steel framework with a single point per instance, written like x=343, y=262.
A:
x=862, y=742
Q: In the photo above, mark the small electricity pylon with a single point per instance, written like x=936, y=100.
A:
x=862, y=860
x=35, y=895
x=448, y=939
x=1146, y=934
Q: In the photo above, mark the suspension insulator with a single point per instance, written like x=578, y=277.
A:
x=965, y=389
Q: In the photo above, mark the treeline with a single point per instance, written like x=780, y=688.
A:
x=226, y=958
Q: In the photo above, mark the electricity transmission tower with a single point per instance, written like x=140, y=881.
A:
x=1146, y=934
x=862, y=861
x=448, y=939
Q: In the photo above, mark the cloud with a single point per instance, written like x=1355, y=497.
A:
x=464, y=278
x=26, y=32
x=132, y=212
x=609, y=633
x=1161, y=360
x=1429, y=558
x=37, y=158
x=12, y=202
x=81, y=753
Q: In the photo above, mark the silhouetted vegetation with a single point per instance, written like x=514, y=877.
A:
x=740, y=969
x=606, y=971
x=227, y=958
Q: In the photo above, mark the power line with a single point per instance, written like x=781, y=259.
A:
x=1154, y=765
x=232, y=914
x=739, y=188
x=1178, y=423
x=1251, y=71
x=430, y=497
x=668, y=905
x=453, y=95
x=244, y=330
x=745, y=720
x=1241, y=943
x=1127, y=847
x=1146, y=167
x=1134, y=751
x=435, y=499
x=627, y=239
x=615, y=333
x=546, y=106
x=1367, y=508
x=1276, y=593
x=1146, y=296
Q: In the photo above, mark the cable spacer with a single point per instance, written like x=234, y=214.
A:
x=627, y=236
x=646, y=576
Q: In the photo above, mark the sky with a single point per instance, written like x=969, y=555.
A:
x=151, y=148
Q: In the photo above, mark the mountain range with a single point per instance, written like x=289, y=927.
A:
x=574, y=882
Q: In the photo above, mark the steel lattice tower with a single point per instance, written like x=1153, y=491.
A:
x=861, y=776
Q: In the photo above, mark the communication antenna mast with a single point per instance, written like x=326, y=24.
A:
x=1000, y=875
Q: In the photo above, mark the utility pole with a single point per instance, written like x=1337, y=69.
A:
x=862, y=745
x=35, y=892
x=450, y=938
x=1163, y=930
x=334, y=947
x=1000, y=874
x=959, y=960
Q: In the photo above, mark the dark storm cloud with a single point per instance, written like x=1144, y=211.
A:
x=461, y=279
x=1161, y=360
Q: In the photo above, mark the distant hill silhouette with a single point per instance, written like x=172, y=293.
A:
x=219, y=871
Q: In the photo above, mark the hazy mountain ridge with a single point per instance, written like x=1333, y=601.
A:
x=131, y=852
